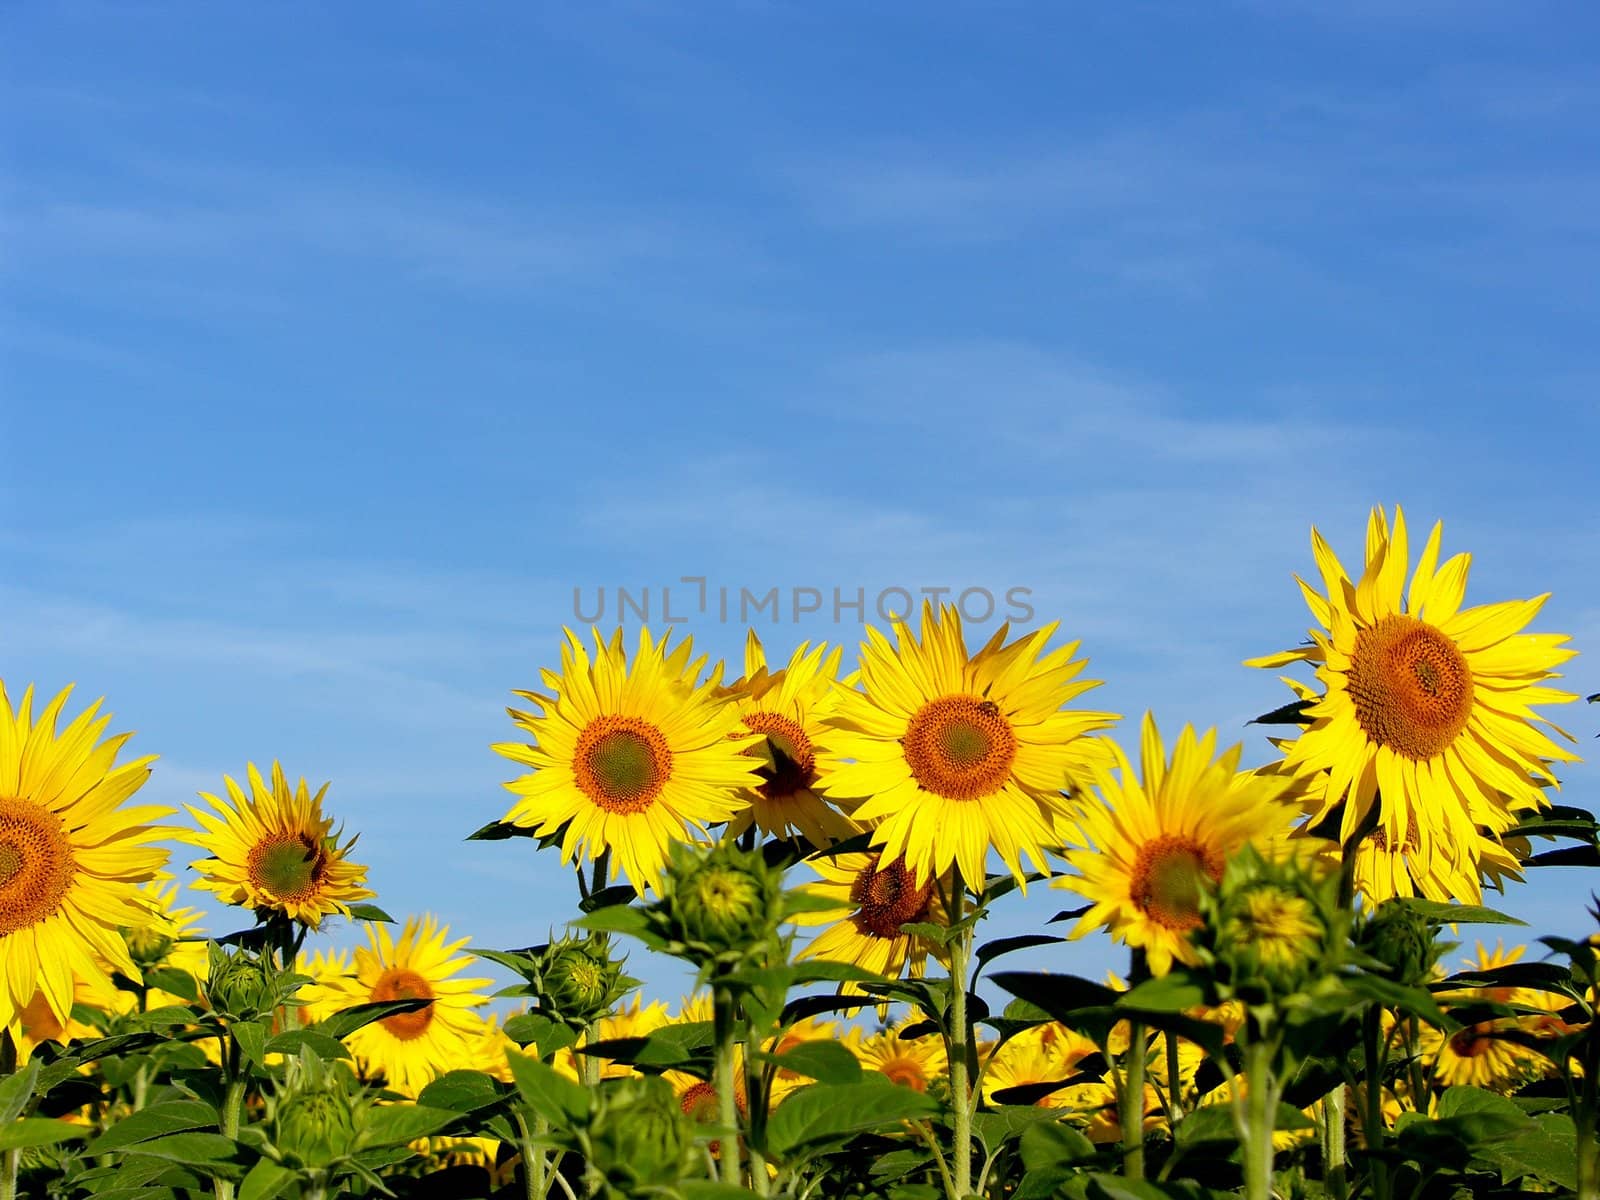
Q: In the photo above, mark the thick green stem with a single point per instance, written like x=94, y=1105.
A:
x=534, y=1183
x=961, y=1096
x=1260, y=1119
x=1372, y=1117
x=1587, y=1118
x=11, y=1162
x=1335, y=1160
x=727, y=1082
x=1174, y=1079
x=1130, y=1104
x=232, y=1110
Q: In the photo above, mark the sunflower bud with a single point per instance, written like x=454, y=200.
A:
x=577, y=980
x=1402, y=940
x=638, y=1141
x=721, y=905
x=1271, y=928
x=149, y=945
x=318, y=1116
x=240, y=983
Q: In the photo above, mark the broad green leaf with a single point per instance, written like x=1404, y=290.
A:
x=38, y=1131
x=16, y=1090
x=816, y=1117
x=1173, y=992
x=158, y=1120
x=826, y=1062
x=170, y=979
x=292, y=1041
x=370, y=912
x=401, y=1124
x=1446, y=913
x=206, y=1151
x=555, y=1098
x=619, y=918
x=546, y=1035
x=1006, y=945
x=347, y=1020
x=252, y=1039
x=461, y=1092
x=1053, y=1145
x=267, y=1181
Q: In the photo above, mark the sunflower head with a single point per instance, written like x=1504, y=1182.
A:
x=318, y=1114
x=720, y=905
x=274, y=851
x=1271, y=927
x=578, y=981
x=1402, y=940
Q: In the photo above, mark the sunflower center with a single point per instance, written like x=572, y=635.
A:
x=1473, y=1041
x=887, y=898
x=907, y=1072
x=401, y=983
x=622, y=763
x=1411, y=686
x=1168, y=876
x=795, y=761
x=287, y=867
x=960, y=747
x=36, y=864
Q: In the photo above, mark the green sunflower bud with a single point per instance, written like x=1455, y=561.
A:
x=318, y=1116
x=1272, y=928
x=240, y=983
x=1402, y=940
x=638, y=1141
x=148, y=947
x=721, y=905
x=577, y=980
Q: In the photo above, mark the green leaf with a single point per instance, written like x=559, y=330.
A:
x=816, y=1117
x=461, y=1091
x=347, y=1020
x=826, y=1062
x=158, y=1120
x=1413, y=1001
x=16, y=1090
x=1055, y=994
x=38, y=1131
x=252, y=1039
x=169, y=1015
x=1549, y=1152
x=1445, y=913
x=208, y=1151
x=555, y=1098
x=619, y=918
x=267, y=1180
x=171, y=979
x=537, y=1030
x=1173, y=992
x=994, y=949
x=292, y=1041
x=370, y=912
x=706, y=1189
x=608, y=897
x=499, y=831
x=1052, y=1144
x=401, y=1124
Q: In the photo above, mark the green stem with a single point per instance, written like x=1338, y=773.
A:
x=534, y=1183
x=961, y=1094
x=1130, y=1104
x=1260, y=1118
x=232, y=1109
x=727, y=1083
x=1372, y=1117
x=1335, y=1161
x=11, y=1162
x=1174, y=1079
x=1587, y=1117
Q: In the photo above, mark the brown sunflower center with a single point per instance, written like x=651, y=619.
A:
x=1411, y=686
x=287, y=866
x=1473, y=1041
x=700, y=1102
x=36, y=864
x=795, y=763
x=1168, y=876
x=401, y=983
x=960, y=747
x=622, y=763
x=887, y=897
x=907, y=1072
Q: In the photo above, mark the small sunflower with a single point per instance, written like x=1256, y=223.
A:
x=409, y=1049
x=628, y=757
x=1477, y=1055
x=72, y=855
x=787, y=706
x=1154, y=844
x=1093, y=1107
x=1043, y=1055
x=917, y=1063
x=875, y=900
x=1425, y=704
x=171, y=938
x=273, y=851
x=956, y=753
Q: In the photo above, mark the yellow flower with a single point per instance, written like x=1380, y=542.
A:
x=916, y=1063
x=628, y=757
x=273, y=851
x=956, y=753
x=875, y=900
x=1154, y=843
x=409, y=1049
x=72, y=855
x=1426, y=704
x=1476, y=1055
x=1093, y=1107
x=787, y=707
x=635, y=1019
x=1045, y=1054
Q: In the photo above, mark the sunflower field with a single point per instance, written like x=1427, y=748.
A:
x=820, y=841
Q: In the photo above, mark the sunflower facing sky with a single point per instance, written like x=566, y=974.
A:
x=409, y=1049
x=787, y=706
x=1164, y=834
x=273, y=851
x=628, y=757
x=1425, y=703
x=875, y=900
x=72, y=855
x=954, y=754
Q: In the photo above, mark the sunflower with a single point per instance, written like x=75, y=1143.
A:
x=811, y=1029
x=787, y=706
x=1094, y=1108
x=171, y=937
x=273, y=851
x=1425, y=704
x=332, y=973
x=875, y=900
x=1043, y=1055
x=1153, y=845
x=409, y=1049
x=958, y=753
x=916, y=1062
x=628, y=757
x=71, y=855
x=1477, y=1055
x=635, y=1019
x=37, y=1023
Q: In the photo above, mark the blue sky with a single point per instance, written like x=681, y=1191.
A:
x=341, y=343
